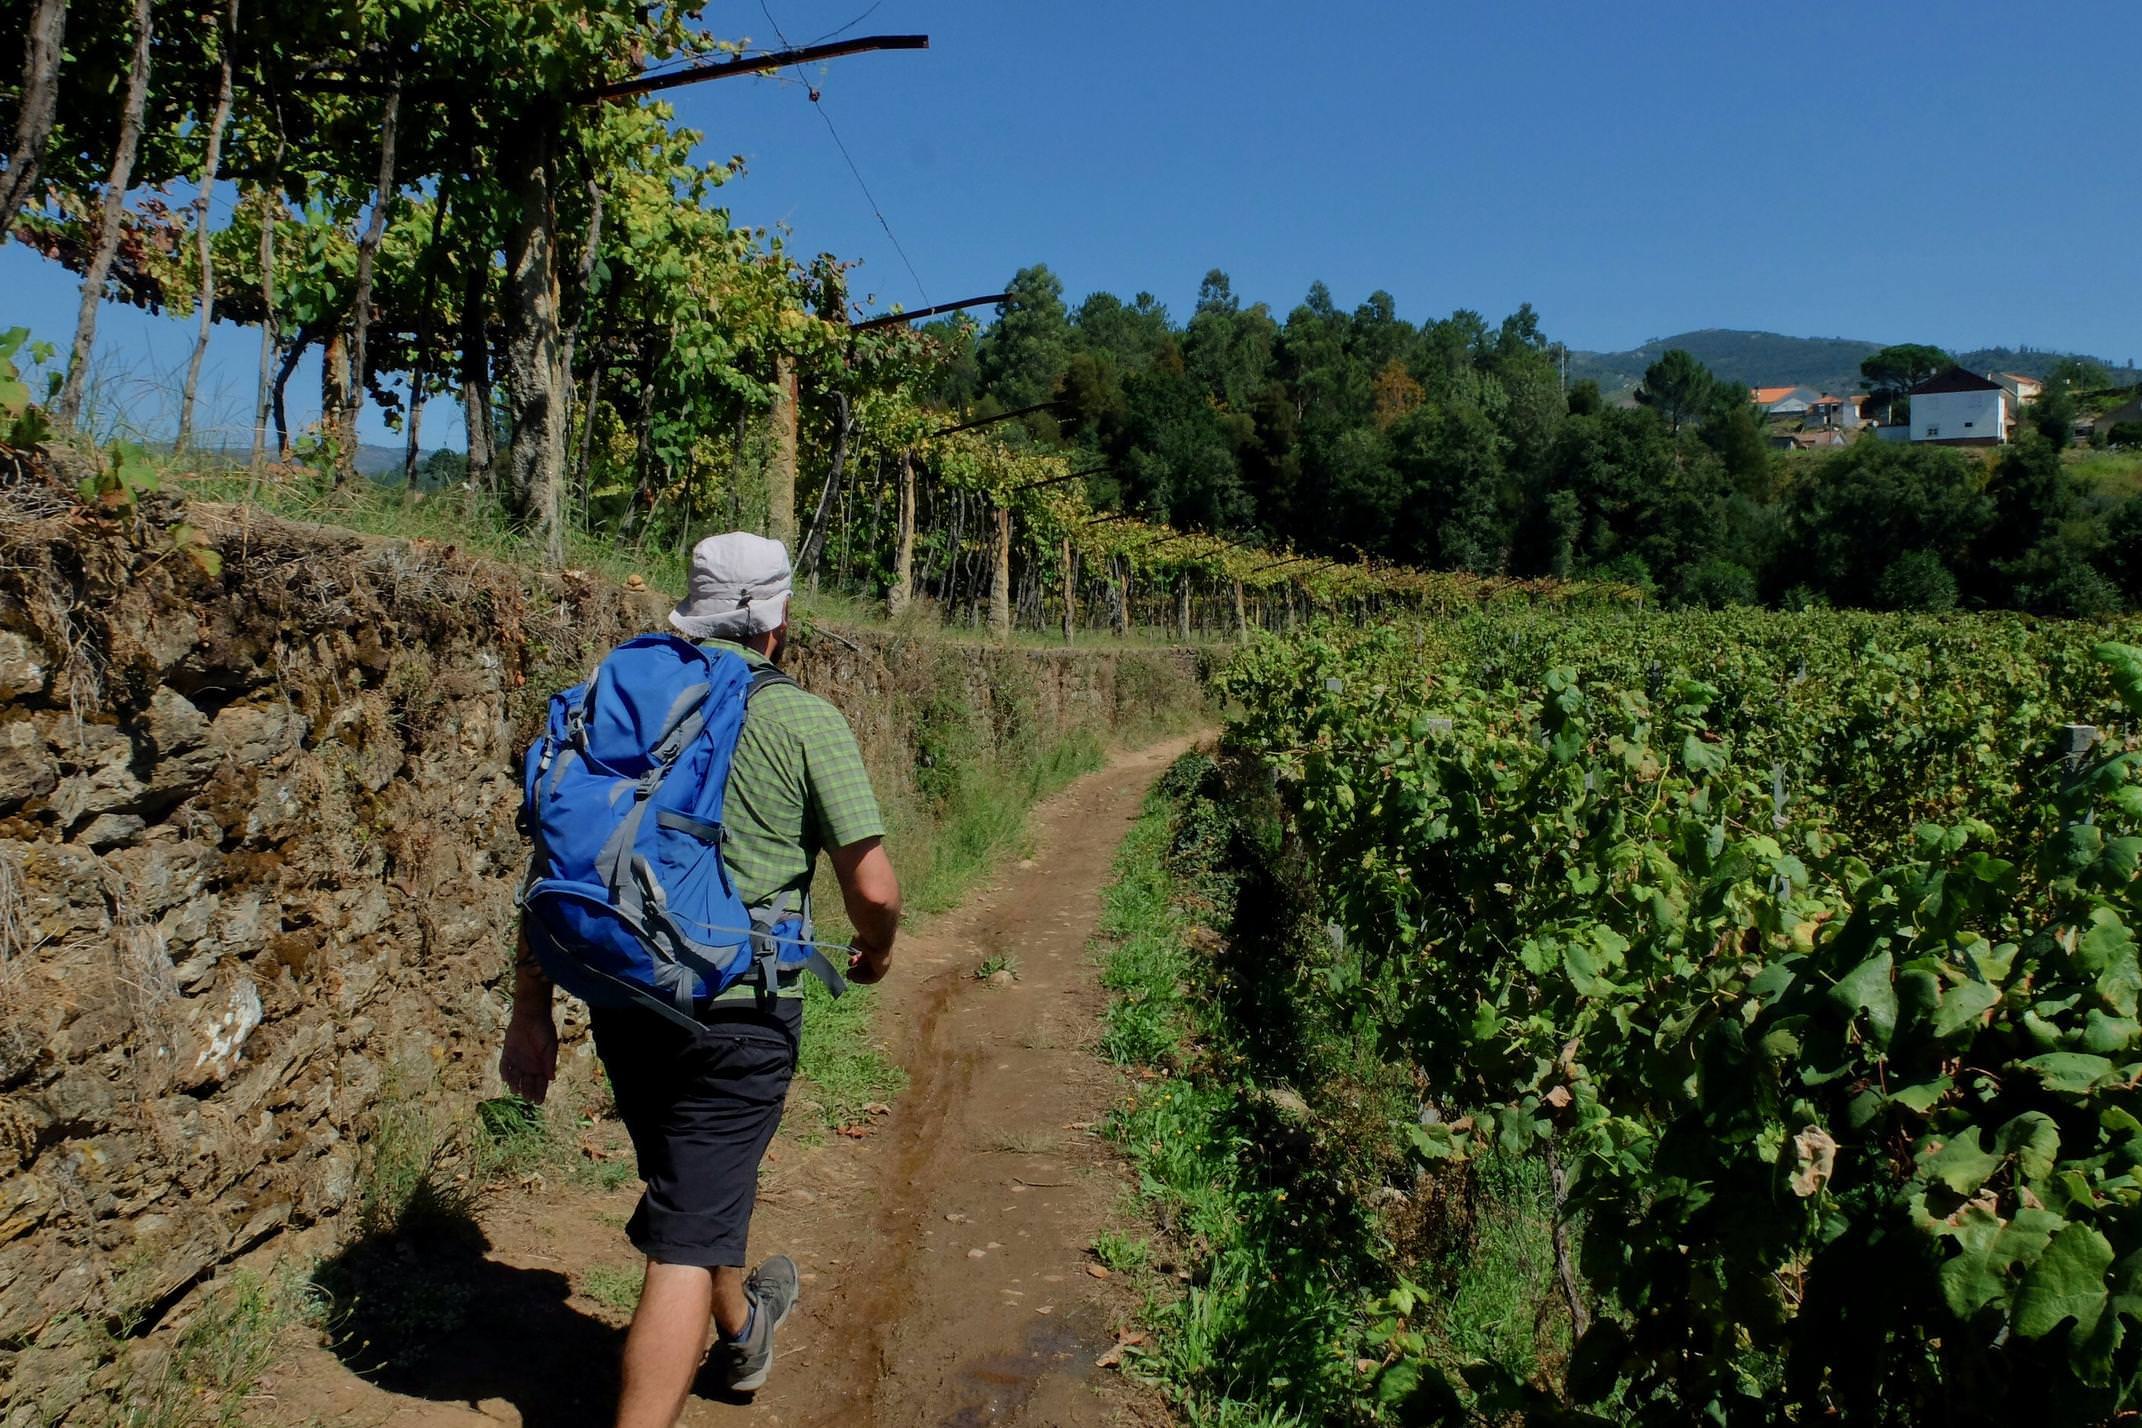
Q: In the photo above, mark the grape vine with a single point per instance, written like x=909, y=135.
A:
x=1805, y=942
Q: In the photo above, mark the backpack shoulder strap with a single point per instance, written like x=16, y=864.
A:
x=764, y=676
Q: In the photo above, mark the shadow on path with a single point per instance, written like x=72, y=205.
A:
x=426, y=1312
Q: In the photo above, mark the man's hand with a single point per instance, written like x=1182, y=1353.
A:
x=871, y=894
x=869, y=964
x=530, y=1059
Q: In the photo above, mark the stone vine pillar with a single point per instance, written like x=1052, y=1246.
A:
x=1070, y=592
x=903, y=579
x=1000, y=611
x=781, y=467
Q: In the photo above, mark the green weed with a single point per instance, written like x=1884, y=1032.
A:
x=414, y=1173
x=979, y=824
x=514, y=1137
x=208, y=1375
x=1496, y=1281
x=612, y=1173
x=846, y=1070
x=613, y=1287
x=1124, y=1254
x=994, y=963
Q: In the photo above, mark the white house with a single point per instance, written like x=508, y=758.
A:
x=1959, y=408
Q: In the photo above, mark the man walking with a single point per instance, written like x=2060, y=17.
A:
x=702, y=1104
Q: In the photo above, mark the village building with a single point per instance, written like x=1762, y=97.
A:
x=1783, y=401
x=1960, y=408
x=2022, y=389
x=1844, y=413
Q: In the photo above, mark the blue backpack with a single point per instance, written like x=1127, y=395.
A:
x=628, y=901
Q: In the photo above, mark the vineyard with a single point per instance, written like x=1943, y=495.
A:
x=1784, y=965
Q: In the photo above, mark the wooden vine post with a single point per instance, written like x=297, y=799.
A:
x=1182, y=607
x=1241, y=614
x=903, y=577
x=1121, y=614
x=1000, y=615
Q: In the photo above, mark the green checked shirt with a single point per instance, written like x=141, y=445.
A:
x=796, y=786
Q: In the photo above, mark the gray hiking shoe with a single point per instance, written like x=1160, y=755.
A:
x=772, y=1290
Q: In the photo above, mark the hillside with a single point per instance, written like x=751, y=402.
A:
x=1773, y=359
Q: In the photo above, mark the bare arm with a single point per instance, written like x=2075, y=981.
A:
x=530, y=1058
x=871, y=893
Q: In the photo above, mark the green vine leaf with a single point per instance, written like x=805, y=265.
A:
x=2067, y=1282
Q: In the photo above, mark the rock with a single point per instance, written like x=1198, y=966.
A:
x=64, y=887
x=23, y=669
x=102, y=779
x=191, y=928
x=256, y=735
x=177, y=736
x=113, y=830
x=166, y=873
x=22, y=1045
x=81, y=1102
x=1287, y=1101
x=27, y=768
x=218, y=1027
x=18, y=1138
x=276, y=812
x=151, y=635
x=334, y=1175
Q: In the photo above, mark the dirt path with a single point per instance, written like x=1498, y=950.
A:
x=945, y=1254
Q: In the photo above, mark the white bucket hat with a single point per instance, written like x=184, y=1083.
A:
x=739, y=586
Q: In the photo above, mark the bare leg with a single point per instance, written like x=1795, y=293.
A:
x=666, y=1343
x=731, y=1308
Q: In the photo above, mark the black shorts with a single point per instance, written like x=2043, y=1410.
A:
x=701, y=1107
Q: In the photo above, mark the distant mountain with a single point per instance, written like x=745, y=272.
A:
x=379, y=461
x=1770, y=359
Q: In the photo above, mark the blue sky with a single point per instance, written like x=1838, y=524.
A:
x=1954, y=173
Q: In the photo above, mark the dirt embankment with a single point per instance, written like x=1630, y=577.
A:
x=257, y=861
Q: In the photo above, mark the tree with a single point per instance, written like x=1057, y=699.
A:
x=1895, y=370
x=2053, y=414
x=67, y=407
x=2078, y=374
x=1679, y=388
x=1849, y=518
x=1023, y=355
x=1916, y=580
x=43, y=43
x=1717, y=583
